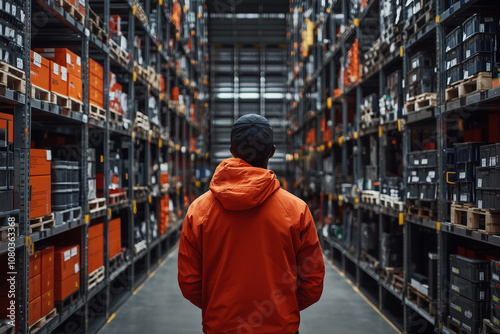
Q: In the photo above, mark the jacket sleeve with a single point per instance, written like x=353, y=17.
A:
x=311, y=268
x=190, y=262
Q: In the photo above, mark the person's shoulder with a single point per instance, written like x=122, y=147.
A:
x=202, y=202
x=294, y=206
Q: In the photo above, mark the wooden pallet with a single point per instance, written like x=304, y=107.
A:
x=452, y=91
x=420, y=23
x=453, y=327
x=60, y=100
x=75, y=105
x=391, y=203
x=479, y=82
x=367, y=122
x=422, y=209
x=117, y=53
x=69, y=215
x=388, y=273
x=459, y=213
x=40, y=94
x=11, y=79
x=42, y=322
x=421, y=300
x=97, y=205
x=7, y=68
x=140, y=13
x=115, y=117
x=42, y=223
x=370, y=197
x=97, y=26
x=116, y=199
x=489, y=327
x=97, y=113
x=373, y=262
x=63, y=305
x=388, y=117
x=139, y=247
x=72, y=10
x=398, y=282
x=95, y=278
x=485, y=221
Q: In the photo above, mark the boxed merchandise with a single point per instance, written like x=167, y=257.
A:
x=63, y=289
x=39, y=71
x=47, y=302
x=75, y=87
x=40, y=204
x=95, y=69
x=35, y=287
x=67, y=262
x=96, y=97
x=470, y=269
x=40, y=162
x=96, y=247
x=35, y=311
x=47, y=280
x=58, y=79
x=114, y=237
x=473, y=291
x=63, y=57
x=35, y=264
x=47, y=258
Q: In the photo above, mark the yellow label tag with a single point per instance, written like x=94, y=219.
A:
x=177, y=147
x=380, y=131
x=178, y=190
x=135, y=76
x=401, y=52
x=160, y=2
x=133, y=134
x=135, y=207
x=198, y=184
x=356, y=22
x=341, y=140
x=330, y=197
x=159, y=47
x=160, y=143
x=126, y=176
x=355, y=135
x=438, y=226
x=328, y=10
x=87, y=219
x=329, y=102
x=110, y=213
x=399, y=125
x=150, y=199
x=438, y=19
x=102, y=158
x=401, y=218
x=330, y=144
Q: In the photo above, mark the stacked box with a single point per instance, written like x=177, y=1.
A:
x=12, y=23
x=469, y=294
x=115, y=241
x=488, y=178
x=392, y=187
x=96, y=247
x=39, y=71
x=35, y=287
x=495, y=293
x=91, y=174
x=67, y=272
x=6, y=163
x=96, y=84
x=422, y=175
x=47, y=280
x=454, y=56
x=389, y=103
x=467, y=157
x=40, y=182
x=65, y=185
x=421, y=77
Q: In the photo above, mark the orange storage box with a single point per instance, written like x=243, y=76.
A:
x=115, y=237
x=47, y=280
x=96, y=83
x=47, y=258
x=35, y=287
x=40, y=204
x=35, y=264
x=47, y=302
x=96, y=231
x=75, y=87
x=96, y=257
x=67, y=262
x=58, y=79
x=95, y=69
x=63, y=289
x=35, y=311
x=96, y=97
x=63, y=57
x=7, y=122
x=39, y=71
x=40, y=162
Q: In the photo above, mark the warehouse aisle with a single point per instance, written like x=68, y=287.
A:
x=160, y=308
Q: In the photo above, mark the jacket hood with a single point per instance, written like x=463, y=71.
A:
x=240, y=186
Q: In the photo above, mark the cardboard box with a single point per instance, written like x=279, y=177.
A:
x=40, y=204
x=35, y=287
x=58, y=79
x=95, y=69
x=35, y=310
x=96, y=259
x=40, y=162
x=75, y=87
x=63, y=57
x=63, y=289
x=35, y=264
x=7, y=122
x=39, y=71
x=96, y=97
x=47, y=258
x=47, y=280
x=67, y=262
x=47, y=302
x=96, y=83
x=115, y=243
x=96, y=231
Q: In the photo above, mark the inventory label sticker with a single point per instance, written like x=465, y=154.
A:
x=77, y=268
x=74, y=251
x=67, y=255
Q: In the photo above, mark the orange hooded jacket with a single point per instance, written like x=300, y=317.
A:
x=249, y=254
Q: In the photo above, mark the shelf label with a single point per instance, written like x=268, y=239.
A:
x=150, y=199
x=87, y=219
x=135, y=207
x=479, y=183
x=67, y=255
x=110, y=213
x=401, y=218
x=77, y=268
x=160, y=143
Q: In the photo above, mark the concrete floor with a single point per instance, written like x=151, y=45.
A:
x=160, y=308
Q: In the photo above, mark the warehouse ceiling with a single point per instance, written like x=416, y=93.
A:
x=247, y=21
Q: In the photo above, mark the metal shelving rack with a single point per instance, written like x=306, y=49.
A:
x=318, y=169
x=173, y=146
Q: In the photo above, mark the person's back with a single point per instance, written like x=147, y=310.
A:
x=249, y=255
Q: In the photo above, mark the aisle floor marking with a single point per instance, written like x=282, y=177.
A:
x=358, y=291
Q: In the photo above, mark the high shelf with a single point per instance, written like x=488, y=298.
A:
x=140, y=157
x=373, y=131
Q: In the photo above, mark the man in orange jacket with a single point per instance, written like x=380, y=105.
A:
x=249, y=254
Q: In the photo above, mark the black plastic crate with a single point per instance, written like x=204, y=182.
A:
x=495, y=314
x=454, y=57
x=371, y=173
x=487, y=178
x=454, y=38
x=371, y=101
x=495, y=292
x=413, y=175
x=465, y=172
x=471, y=269
x=472, y=310
x=428, y=175
x=479, y=43
x=414, y=159
x=488, y=199
x=4, y=178
x=6, y=158
x=464, y=192
x=412, y=191
x=454, y=74
x=490, y=155
x=422, y=59
x=428, y=192
x=429, y=158
x=467, y=152
x=6, y=200
x=478, y=23
x=495, y=271
x=473, y=291
x=477, y=64
x=423, y=78
x=466, y=325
